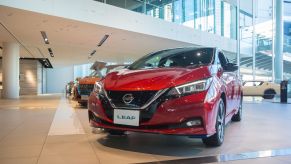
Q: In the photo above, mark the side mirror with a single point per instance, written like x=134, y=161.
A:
x=230, y=67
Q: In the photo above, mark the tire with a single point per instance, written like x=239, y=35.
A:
x=218, y=137
x=269, y=94
x=237, y=117
x=115, y=132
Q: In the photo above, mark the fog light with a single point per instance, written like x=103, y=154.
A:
x=193, y=123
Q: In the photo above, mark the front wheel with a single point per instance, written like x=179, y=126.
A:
x=218, y=137
x=269, y=94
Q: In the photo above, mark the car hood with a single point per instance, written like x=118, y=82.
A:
x=153, y=79
x=89, y=80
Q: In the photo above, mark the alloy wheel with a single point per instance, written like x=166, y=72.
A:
x=220, y=122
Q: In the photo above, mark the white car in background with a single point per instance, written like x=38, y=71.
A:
x=267, y=90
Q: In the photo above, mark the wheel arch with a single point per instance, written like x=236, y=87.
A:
x=270, y=89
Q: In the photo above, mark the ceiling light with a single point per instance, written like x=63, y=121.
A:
x=93, y=52
x=103, y=40
x=51, y=52
x=44, y=36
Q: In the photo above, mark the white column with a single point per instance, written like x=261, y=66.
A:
x=278, y=61
x=238, y=39
x=10, y=66
x=254, y=38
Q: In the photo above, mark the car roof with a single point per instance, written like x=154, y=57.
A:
x=185, y=48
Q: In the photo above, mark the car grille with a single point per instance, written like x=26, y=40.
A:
x=140, y=98
x=86, y=89
x=145, y=114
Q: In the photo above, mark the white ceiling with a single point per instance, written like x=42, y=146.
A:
x=72, y=41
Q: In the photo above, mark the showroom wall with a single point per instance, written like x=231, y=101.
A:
x=57, y=78
x=0, y=78
x=0, y=70
x=30, y=77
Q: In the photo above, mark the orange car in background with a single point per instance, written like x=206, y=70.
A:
x=85, y=85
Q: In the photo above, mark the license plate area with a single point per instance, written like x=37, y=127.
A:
x=84, y=97
x=126, y=117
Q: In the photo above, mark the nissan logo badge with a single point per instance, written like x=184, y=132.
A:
x=127, y=98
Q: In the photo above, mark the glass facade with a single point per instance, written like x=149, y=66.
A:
x=256, y=27
x=213, y=16
x=256, y=41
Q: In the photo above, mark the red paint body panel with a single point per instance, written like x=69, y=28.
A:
x=172, y=111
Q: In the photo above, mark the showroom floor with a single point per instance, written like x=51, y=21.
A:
x=52, y=129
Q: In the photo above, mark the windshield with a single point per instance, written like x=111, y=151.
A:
x=181, y=57
x=93, y=74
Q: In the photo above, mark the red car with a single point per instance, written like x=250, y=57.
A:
x=184, y=91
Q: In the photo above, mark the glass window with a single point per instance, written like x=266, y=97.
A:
x=204, y=15
x=199, y=15
x=153, y=10
x=168, y=15
x=181, y=57
x=228, y=20
x=248, y=84
x=178, y=16
x=252, y=83
x=210, y=15
x=189, y=13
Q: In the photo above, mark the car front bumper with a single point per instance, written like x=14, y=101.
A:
x=168, y=116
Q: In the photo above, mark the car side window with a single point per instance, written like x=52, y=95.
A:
x=258, y=83
x=248, y=84
x=222, y=59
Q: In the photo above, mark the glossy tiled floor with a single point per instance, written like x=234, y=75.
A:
x=51, y=129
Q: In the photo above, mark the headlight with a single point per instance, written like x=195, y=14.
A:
x=193, y=87
x=98, y=87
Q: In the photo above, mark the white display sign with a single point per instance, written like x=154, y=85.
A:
x=126, y=117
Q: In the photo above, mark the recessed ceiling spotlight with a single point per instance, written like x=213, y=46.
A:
x=44, y=36
x=51, y=52
x=93, y=52
x=105, y=37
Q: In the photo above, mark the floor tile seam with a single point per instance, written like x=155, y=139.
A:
x=63, y=101
x=28, y=157
x=45, y=139
x=66, y=142
x=14, y=129
x=87, y=138
x=20, y=145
